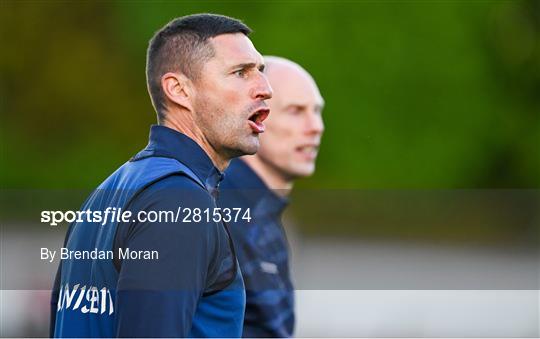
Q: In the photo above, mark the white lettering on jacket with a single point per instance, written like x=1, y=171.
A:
x=86, y=299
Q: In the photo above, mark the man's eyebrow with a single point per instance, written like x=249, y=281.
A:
x=248, y=65
x=244, y=65
x=296, y=105
x=303, y=104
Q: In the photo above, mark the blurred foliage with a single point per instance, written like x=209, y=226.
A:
x=420, y=94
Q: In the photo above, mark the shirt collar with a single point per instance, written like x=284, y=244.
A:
x=166, y=142
x=245, y=179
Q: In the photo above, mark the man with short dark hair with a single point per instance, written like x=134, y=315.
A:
x=262, y=183
x=207, y=85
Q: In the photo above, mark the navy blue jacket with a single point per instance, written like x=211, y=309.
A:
x=262, y=250
x=194, y=288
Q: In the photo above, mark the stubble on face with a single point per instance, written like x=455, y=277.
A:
x=222, y=104
x=226, y=132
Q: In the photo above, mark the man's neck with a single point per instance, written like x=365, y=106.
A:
x=189, y=128
x=269, y=175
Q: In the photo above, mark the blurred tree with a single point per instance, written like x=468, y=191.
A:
x=419, y=94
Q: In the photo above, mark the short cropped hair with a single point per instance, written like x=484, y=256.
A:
x=182, y=46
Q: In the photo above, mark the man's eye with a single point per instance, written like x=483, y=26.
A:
x=295, y=110
x=241, y=73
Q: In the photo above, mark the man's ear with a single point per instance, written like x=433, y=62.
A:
x=178, y=89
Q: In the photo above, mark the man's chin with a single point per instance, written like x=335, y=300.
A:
x=249, y=147
x=303, y=171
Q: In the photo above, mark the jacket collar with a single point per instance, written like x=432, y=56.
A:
x=169, y=143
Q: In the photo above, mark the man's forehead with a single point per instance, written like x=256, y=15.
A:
x=236, y=48
x=293, y=86
x=302, y=99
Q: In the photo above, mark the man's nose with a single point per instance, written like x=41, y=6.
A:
x=262, y=89
x=314, y=123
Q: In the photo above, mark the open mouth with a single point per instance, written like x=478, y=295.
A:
x=308, y=151
x=256, y=120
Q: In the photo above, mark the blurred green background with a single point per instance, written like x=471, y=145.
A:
x=420, y=94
